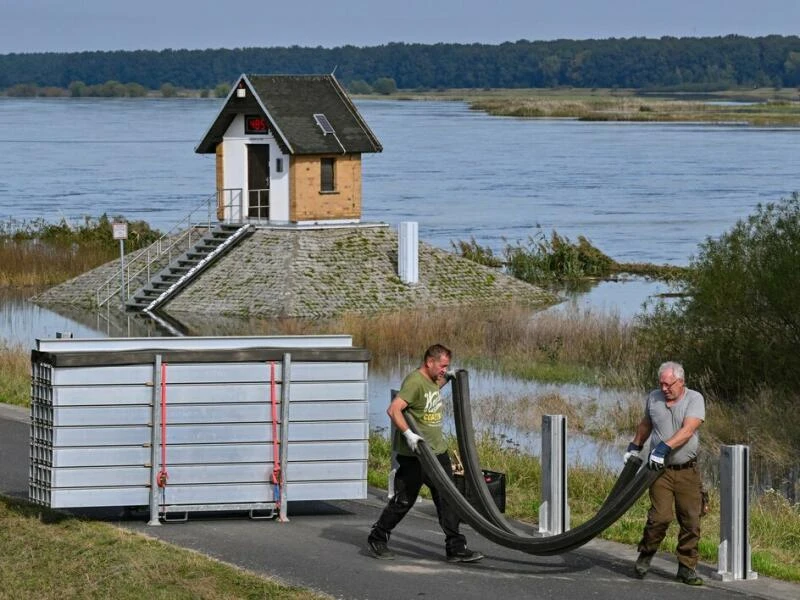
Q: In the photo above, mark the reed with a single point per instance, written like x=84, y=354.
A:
x=37, y=253
x=574, y=346
x=637, y=109
x=15, y=381
x=34, y=265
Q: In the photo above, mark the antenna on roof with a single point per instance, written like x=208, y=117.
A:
x=334, y=69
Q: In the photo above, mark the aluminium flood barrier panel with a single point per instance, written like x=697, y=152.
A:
x=95, y=430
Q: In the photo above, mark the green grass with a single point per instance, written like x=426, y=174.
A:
x=15, y=381
x=48, y=555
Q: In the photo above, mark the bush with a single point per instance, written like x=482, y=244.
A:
x=168, y=90
x=556, y=259
x=739, y=326
x=359, y=86
x=385, y=86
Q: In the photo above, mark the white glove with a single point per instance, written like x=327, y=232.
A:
x=633, y=450
x=412, y=439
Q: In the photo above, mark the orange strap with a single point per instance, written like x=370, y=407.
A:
x=161, y=478
x=276, y=464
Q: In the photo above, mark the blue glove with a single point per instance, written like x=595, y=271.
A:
x=658, y=456
x=633, y=450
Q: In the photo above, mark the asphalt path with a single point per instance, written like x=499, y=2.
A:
x=323, y=547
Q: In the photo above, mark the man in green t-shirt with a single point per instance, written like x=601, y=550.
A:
x=419, y=395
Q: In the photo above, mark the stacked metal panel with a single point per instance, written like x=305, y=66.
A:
x=96, y=433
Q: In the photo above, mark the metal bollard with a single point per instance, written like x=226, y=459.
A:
x=554, y=510
x=734, y=530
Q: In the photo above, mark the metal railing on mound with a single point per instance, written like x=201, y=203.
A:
x=140, y=266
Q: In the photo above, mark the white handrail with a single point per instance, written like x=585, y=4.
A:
x=141, y=261
x=189, y=275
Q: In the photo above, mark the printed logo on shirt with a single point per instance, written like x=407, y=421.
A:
x=433, y=408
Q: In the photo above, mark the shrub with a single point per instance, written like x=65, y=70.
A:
x=556, y=258
x=739, y=325
x=385, y=86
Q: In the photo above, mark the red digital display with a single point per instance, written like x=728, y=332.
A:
x=255, y=124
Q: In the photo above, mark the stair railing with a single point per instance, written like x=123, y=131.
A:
x=180, y=237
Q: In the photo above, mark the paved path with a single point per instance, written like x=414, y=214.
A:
x=323, y=548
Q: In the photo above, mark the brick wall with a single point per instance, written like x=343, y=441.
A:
x=307, y=203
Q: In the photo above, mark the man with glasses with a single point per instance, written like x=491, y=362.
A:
x=673, y=414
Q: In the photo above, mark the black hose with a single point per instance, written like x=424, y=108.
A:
x=543, y=546
x=473, y=473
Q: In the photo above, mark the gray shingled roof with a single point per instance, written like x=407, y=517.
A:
x=289, y=102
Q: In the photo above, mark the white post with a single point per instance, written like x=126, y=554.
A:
x=119, y=229
x=554, y=510
x=122, y=270
x=734, y=529
x=408, y=252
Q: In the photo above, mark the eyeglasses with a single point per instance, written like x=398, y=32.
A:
x=667, y=386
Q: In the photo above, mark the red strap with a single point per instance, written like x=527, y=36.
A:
x=161, y=478
x=276, y=465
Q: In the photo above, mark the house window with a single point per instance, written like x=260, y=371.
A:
x=279, y=165
x=327, y=175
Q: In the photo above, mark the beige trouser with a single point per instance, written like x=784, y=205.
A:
x=680, y=488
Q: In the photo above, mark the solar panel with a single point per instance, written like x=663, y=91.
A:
x=323, y=123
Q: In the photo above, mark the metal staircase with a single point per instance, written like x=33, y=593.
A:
x=183, y=269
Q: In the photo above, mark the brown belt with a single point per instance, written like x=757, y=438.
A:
x=686, y=465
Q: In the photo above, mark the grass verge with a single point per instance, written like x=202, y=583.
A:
x=48, y=555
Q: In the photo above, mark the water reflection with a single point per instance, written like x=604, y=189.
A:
x=21, y=321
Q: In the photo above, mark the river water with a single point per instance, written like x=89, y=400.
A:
x=639, y=192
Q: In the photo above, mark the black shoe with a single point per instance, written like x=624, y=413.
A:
x=642, y=565
x=689, y=576
x=380, y=550
x=464, y=556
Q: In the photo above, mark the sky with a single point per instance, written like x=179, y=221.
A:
x=76, y=25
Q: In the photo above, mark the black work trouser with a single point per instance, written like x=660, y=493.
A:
x=408, y=480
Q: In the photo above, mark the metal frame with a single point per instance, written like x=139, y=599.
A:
x=96, y=425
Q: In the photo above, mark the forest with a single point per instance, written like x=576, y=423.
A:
x=668, y=63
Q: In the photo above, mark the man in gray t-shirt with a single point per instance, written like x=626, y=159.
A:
x=673, y=414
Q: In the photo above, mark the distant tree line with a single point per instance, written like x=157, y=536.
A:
x=665, y=63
